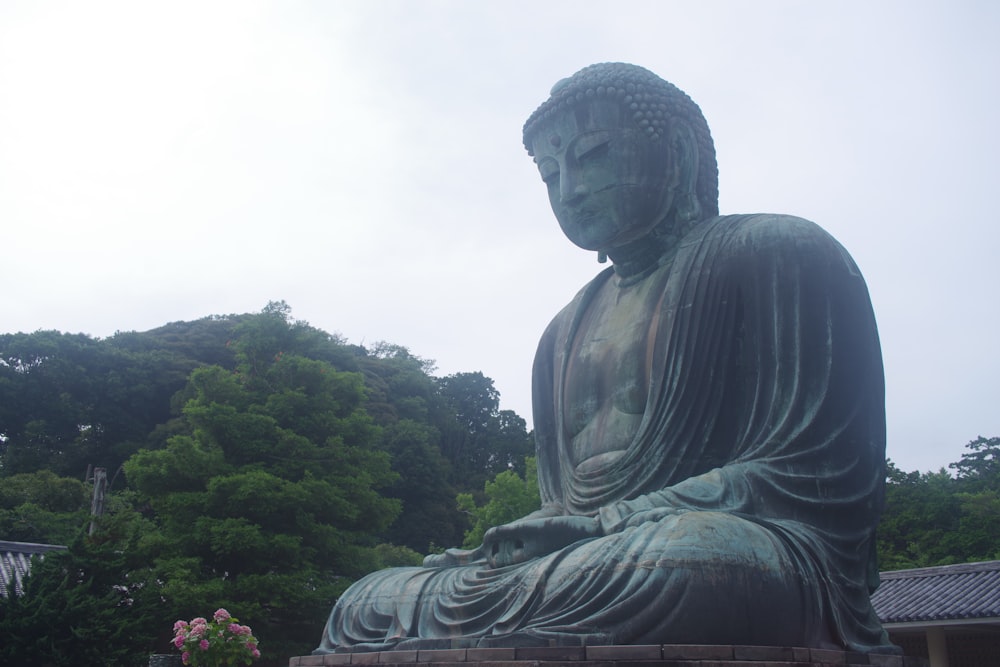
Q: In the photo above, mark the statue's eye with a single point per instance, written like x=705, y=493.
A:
x=592, y=146
x=549, y=171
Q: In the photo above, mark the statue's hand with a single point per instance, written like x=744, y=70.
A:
x=527, y=538
x=455, y=557
x=652, y=515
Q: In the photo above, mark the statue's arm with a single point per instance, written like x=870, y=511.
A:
x=722, y=489
x=529, y=538
x=537, y=534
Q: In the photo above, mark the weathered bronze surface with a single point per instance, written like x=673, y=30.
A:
x=709, y=414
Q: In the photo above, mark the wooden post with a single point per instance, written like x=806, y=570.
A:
x=97, y=503
x=937, y=647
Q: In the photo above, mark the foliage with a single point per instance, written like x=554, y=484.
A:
x=42, y=507
x=481, y=440
x=79, y=608
x=392, y=555
x=429, y=514
x=68, y=401
x=262, y=464
x=215, y=643
x=268, y=498
x=979, y=468
x=936, y=519
x=919, y=521
x=509, y=497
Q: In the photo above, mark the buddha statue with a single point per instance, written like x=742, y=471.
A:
x=709, y=416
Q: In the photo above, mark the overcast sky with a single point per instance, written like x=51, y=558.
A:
x=363, y=162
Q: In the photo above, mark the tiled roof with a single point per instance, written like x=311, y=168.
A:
x=947, y=592
x=15, y=560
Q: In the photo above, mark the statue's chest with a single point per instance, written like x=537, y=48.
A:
x=608, y=369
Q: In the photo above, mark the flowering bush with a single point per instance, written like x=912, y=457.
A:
x=221, y=641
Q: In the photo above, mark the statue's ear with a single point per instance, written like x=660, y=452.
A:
x=684, y=156
x=684, y=170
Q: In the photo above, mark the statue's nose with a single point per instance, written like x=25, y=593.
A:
x=573, y=193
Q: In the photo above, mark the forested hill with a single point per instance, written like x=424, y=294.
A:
x=255, y=461
x=260, y=389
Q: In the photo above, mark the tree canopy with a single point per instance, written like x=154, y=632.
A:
x=258, y=463
x=935, y=518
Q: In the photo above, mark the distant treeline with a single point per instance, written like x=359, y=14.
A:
x=941, y=518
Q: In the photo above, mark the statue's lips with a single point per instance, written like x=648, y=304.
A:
x=585, y=217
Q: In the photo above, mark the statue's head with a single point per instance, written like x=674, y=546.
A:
x=623, y=154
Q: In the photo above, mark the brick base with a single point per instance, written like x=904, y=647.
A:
x=667, y=655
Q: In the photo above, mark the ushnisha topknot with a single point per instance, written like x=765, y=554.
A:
x=652, y=103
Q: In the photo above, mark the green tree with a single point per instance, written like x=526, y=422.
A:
x=509, y=497
x=936, y=519
x=42, y=507
x=979, y=468
x=920, y=520
x=78, y=608
x=391, y=555
x=48, y=383
x=978, y=474
x=267, y=499
x=480, y=439
x=429, y=515
x=400, y=386
x=71, y=401
x=977, y=526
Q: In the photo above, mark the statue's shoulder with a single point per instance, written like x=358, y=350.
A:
x=759, y=228
x=738, y=246
x=762, y=234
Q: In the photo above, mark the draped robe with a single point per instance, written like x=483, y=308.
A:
x=742, y=510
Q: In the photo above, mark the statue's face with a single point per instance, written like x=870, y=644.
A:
x=608, y=184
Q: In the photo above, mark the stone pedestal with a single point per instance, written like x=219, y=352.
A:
x=668, y=655
x=165, y=660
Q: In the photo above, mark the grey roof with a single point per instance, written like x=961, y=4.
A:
x=15, y=561
x=948, y=592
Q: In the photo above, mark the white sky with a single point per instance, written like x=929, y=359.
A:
x=363, y=162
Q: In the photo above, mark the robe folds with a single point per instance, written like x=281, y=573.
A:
x=743, y=509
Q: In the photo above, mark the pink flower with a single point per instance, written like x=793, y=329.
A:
x=202, y=631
